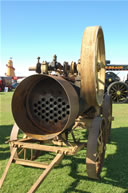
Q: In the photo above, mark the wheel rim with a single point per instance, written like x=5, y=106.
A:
x=92, y=67
x=118, y=91
x=96, y=148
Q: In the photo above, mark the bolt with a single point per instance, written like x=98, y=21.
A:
x=99, y=66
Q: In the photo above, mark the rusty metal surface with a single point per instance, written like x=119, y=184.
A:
x=92, y=67
x=43, y=106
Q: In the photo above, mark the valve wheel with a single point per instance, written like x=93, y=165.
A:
x=92, y=66
x=95, y=148
x=118, y=91
x=107, y=114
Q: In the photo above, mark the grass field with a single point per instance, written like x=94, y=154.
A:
x=70, y=175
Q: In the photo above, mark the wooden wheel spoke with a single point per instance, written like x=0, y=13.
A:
x=124, y=94
x=114, y=97
x=113, y=89
x=122, y=87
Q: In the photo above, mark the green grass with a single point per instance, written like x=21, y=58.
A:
x=70, y=175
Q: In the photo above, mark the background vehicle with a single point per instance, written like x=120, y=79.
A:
x=114, y=86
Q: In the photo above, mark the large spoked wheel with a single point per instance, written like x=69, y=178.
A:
x=95, y=148
x=107, y=114
x=92, y=66
x=118, y=91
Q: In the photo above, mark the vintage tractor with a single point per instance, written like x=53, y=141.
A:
x=116, y=88
x=50, y=105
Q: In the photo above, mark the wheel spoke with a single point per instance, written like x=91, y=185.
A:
x=113, y=89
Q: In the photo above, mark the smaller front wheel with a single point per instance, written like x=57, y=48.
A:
x=96, y=148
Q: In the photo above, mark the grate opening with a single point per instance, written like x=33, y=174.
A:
x=35, y=111
x=59, y=106
x=47, y=114
x=51, y=105
x=51, y=99
x=54, y=109
x=55, y=114
x=55, y=103
x=47, y=102
x=43, y=99
x=63, y=109
x=63, y=115
x=68, y=112
x=59, y=100
x=67, y=106
x=47, y=108
x=43, y=111
x=63, y=103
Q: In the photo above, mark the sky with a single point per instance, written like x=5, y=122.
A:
x=43, y=28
